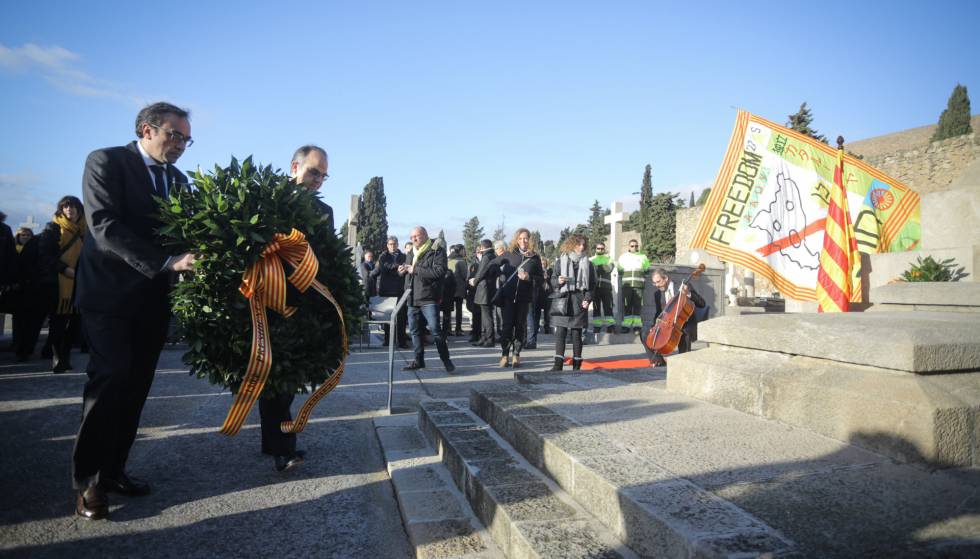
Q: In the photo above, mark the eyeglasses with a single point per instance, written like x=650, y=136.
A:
x=634, y=246
x=175, y=136
x=316, y=175
x=599, y=249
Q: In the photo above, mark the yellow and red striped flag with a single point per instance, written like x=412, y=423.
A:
x=839, y=277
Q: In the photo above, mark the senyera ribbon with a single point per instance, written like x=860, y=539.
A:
x=264, y=285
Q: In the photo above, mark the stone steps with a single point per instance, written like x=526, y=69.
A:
x=526, y=514
x=435, y=514
x=673, y=476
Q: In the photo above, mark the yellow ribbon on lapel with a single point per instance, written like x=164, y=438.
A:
x=264, y=285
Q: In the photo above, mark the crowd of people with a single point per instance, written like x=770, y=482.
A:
x=512, y=293
x=101, y=276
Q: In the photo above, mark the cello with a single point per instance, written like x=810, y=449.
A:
x=666, y=334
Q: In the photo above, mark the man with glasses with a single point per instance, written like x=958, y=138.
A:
x=633, y=267
x=602, y=312
x=308, y=167
x=122, y=286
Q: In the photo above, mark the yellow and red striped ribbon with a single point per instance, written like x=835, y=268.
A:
x=264, y=285
x=838, y=280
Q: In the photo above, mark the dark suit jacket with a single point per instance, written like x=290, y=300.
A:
x=486, y=279
x=121, y=268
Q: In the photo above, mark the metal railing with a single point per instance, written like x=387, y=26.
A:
x=391, y=319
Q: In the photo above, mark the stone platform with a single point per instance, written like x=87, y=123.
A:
x=665, y=475
x=903, y=384
x=927, y=296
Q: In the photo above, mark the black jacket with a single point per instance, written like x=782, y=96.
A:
x=121, y=269
x=486, y=279
x=510, y=261
x=49, y=254
x=390, y=283
x=427, y=277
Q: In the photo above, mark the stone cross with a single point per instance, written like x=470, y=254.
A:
x=615, y=219
x=355, y=204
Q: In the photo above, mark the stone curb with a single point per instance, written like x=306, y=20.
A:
x=437, y=520
x=527, y=515
x=646, y=507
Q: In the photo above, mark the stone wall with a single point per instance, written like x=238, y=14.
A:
x=911, y=158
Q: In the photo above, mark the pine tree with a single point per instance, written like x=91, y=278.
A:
x=472, y=234
x=498, y=233
x=955, y=120
x=704, y=196
x=372, y=230
x=598, y=229
x=801, y=121
x=343, y=231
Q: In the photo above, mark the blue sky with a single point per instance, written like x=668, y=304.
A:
x=522, y=112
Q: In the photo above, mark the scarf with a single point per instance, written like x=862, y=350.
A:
x=421, y=250
x=70, y=246
x=567, y=265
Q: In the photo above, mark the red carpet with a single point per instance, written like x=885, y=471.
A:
x=591, y=364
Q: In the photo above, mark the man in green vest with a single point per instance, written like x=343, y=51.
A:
x=602, y=312
x=633, y=267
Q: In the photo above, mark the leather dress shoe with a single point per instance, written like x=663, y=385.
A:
x=286, y=463
x=448, y=363
x=125, y=485
x=92, y=503
x=414, y=366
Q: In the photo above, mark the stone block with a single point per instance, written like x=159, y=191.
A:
x=401, y=438
x=936, y=295
x=913, y=418
x=445, y=539
x=949, y=219
x=416, y=478
x=888, y=266
x=913, y=342
x=561, y=540
x=429, y=505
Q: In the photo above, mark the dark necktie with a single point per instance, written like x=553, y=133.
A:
x=160, y=179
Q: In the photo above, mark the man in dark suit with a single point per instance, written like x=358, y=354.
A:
x=122, y=286
x=309, y=168
x=665, y=291
x=485, y=284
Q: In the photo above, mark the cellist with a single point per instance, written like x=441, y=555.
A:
x=665, y=291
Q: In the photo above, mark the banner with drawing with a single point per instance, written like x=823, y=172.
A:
x=767, y=208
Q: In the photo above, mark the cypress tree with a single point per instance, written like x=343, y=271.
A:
x=704, y=196
x=801, y=122
x=637, y=219
x=955, y=120
x=472, y=235
x=442, y=240
x=598, y=230
x=691, y=203
x=660, y=232
x=372, y=230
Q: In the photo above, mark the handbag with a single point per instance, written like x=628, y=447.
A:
x=561, y=305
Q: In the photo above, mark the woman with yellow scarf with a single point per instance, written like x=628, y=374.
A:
x=59, y=247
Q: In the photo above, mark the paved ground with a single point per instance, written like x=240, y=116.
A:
x=218, y=496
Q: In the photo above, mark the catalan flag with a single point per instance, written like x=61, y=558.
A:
x=839, y=278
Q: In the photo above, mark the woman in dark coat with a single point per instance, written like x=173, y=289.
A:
x=573, y=278
x=519, y=293
x=59, y=247
x=31, y=307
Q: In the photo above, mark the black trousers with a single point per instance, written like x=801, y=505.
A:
x=62, y=331
x=486, y=324
x=123, y=355
x=476, y=323
x=458, y=302
x=560, y=336
x=272, y=412
x=28, y=319
x=514, y=331
x=603, y=306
